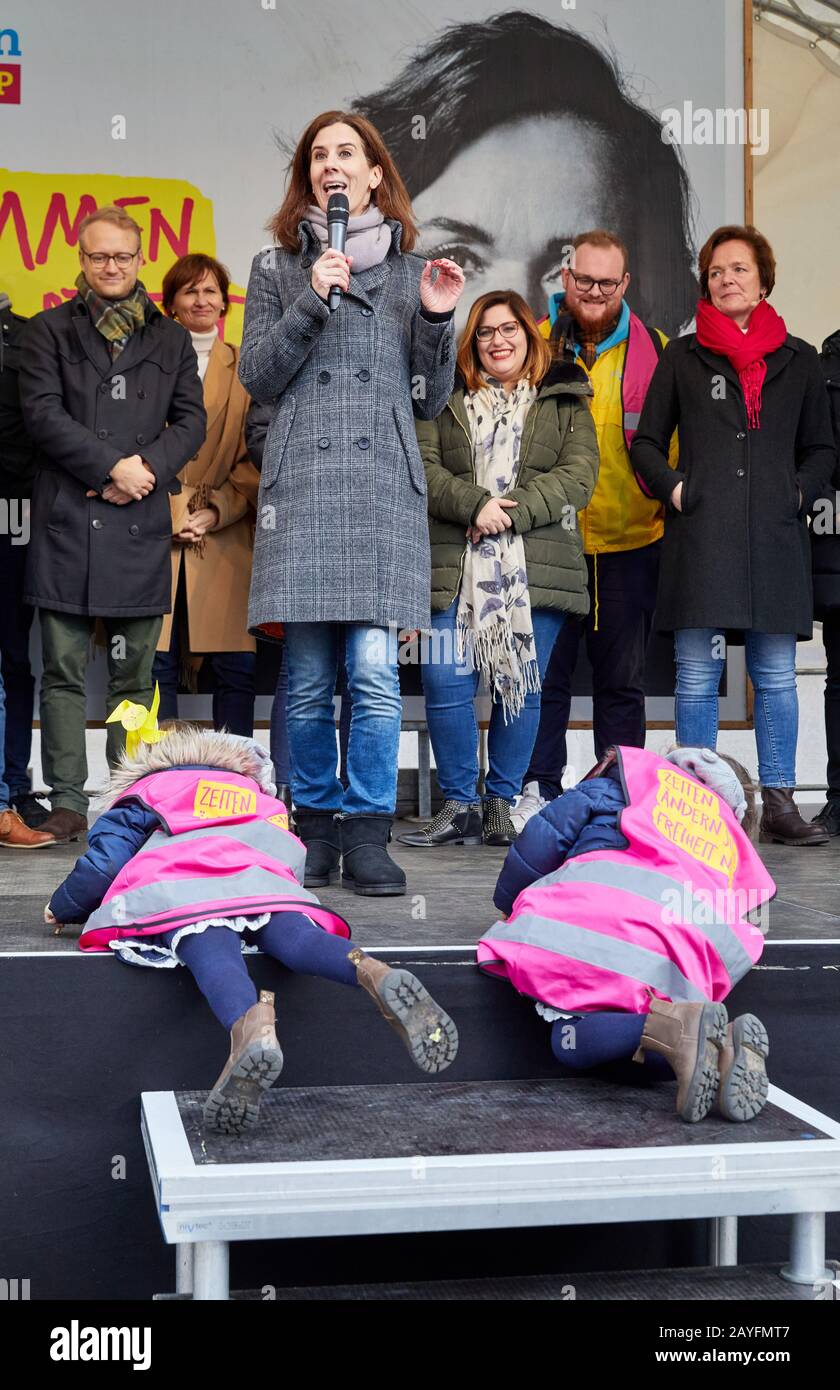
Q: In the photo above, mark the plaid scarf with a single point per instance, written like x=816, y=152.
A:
x=115, y=319
x=567, y=331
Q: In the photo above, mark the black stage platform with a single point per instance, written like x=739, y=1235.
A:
x=84, y=1036
x=449, y=899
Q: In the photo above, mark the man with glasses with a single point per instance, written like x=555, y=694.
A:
x=112, y=400
x=622, y=527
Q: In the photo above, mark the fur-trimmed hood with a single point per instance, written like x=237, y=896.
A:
x=191, y=746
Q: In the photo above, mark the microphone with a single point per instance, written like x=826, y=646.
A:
x=338, y=213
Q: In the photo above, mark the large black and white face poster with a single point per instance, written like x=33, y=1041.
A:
x=514, y=130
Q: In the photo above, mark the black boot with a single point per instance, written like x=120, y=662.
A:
x=284, y=794
x=319, y=832
x=456, y=823
x=499, y=829
x=366, y=866
x=828, y=818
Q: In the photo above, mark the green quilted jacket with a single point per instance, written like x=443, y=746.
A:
x=558, y=470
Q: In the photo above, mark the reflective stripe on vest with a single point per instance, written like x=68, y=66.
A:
x=603, y=952
x=654, y=886
x=270, y=839
x=174, y=897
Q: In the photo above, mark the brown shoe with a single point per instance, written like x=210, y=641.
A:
x=422, y=1026
x=742, y=1093
x=254, y=1065
x=781, y=823
x=689, y=1037
x=15, y=833
x=63, y=825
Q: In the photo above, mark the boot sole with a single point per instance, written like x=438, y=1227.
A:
x=703, y=1087
x=428, y=1033
x=374, y=890
x=235, y=1106
x=321, y=880
x=743, y=1094
x=765, y=837
x=439, y=844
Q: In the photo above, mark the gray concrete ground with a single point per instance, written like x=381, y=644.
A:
x=449, y=900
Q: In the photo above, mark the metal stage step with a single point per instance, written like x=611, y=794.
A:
x=473, y=1155
x=753, y=1283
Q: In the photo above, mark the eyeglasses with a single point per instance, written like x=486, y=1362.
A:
x=99, y=259
x=585, y=283
x=507, y=330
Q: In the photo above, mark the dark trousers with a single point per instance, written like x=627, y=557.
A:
x=15, y=624
x=616, y=631
x=65, y=641
x=214, y=957
x=831, y=639
x=234, y=676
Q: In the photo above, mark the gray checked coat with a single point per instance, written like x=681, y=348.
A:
x=342, y=533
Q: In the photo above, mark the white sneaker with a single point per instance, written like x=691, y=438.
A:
x=529, y=804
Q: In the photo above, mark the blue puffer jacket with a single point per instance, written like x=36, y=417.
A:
x=582, y=819
x=113, y=839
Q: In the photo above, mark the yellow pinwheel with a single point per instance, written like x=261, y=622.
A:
x=140, y=724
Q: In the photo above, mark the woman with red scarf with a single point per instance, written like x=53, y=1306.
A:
x=756, y=450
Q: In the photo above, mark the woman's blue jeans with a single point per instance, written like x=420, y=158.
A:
x=771, y=663
x=450, y=688
x=370, y=657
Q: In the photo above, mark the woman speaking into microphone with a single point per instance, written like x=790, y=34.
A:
x=342, y=540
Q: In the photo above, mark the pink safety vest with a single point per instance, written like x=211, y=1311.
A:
x=223, y=849
x=667, y=914
x=640, y=361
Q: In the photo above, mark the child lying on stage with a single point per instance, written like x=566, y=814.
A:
x=627, y=899
x=191, y=858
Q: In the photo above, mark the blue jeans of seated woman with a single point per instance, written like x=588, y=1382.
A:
x=450, y=688
x=373, y=747
x=771, y=663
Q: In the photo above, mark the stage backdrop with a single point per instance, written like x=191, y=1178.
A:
x=513, y=131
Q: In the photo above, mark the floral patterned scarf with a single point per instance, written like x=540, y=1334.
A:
x=493, y=627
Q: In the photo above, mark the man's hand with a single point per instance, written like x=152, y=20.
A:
x=676, y=497
x=132, y=477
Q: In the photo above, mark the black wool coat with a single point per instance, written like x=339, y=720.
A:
x=825, y=529
x=737, y=555
x=84, y=411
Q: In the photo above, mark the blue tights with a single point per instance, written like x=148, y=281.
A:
x=214, y=958
x=596, y=1039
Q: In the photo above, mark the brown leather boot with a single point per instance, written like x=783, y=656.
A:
x=689, y=1037
x=254, y=1065
x=781, y=823
x=15, y=833
x=742, y=1093
x=429, y=1034
x=64, y=824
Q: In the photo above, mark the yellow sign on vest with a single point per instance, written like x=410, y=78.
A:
x=280, y=819
x=213, y=800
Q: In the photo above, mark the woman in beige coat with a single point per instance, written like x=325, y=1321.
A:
x=212, y=516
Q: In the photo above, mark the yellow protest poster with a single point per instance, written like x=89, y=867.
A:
x=39, y=233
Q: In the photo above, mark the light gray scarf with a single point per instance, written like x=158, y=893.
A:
x=368, y=236
x=494, y=630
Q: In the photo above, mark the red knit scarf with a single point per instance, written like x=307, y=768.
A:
x=746, y=351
